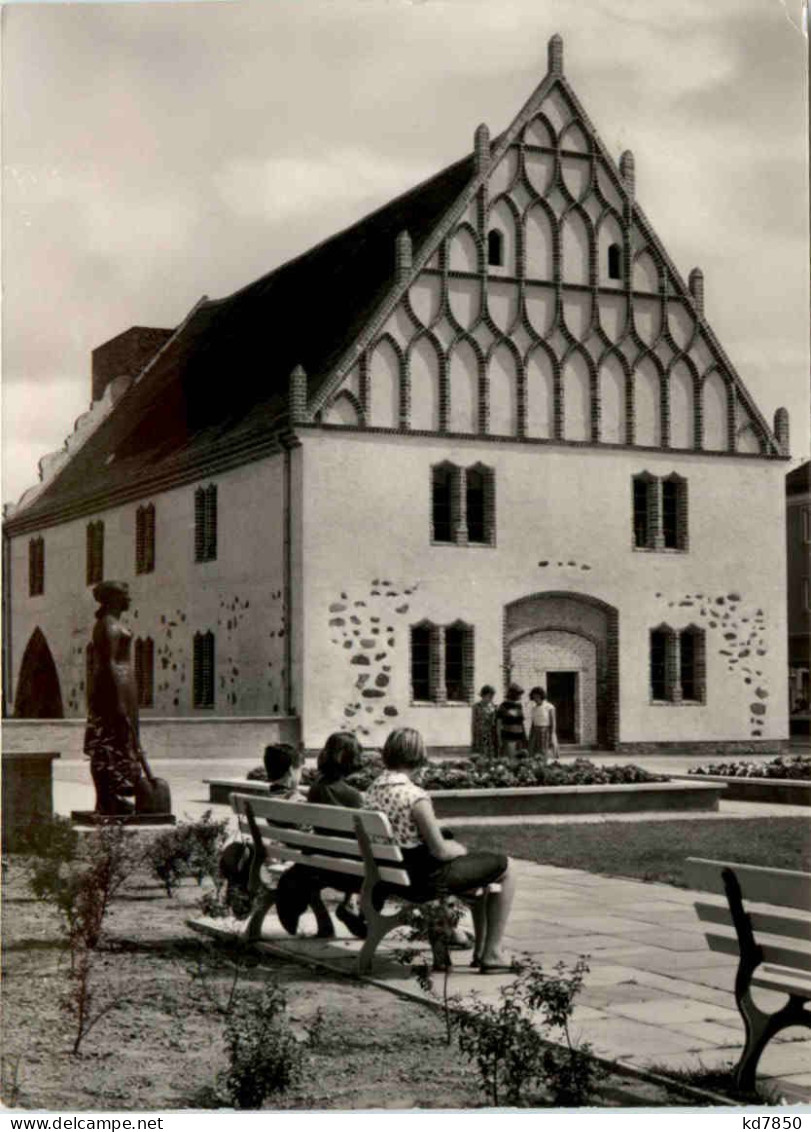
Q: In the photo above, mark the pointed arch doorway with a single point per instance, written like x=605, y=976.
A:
x=39, y=695
x=569, y=644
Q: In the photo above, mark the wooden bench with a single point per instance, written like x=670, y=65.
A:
x=765, y=939
x=357, y=843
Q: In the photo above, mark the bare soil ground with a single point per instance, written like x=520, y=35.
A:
x=160, y=1046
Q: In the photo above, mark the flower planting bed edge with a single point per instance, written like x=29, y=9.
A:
x=508, y=801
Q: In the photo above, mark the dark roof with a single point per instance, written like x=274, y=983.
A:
x=798, y=482
x=222, y=381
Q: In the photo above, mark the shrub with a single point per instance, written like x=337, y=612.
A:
x=512, y=1050
x=189, y=849
x=263, y=1055
x=82, y=890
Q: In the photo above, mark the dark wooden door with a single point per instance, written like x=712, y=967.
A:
x=561, y=688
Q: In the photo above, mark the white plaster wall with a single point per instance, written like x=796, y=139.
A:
x=239, y=597
x=366, y=521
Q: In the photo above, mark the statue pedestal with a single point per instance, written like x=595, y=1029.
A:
x=89, y=818
x=27, y=793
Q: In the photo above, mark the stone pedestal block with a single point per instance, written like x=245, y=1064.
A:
x=27, y=793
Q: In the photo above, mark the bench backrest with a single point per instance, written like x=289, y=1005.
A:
x=752, y=905
x=323, y=837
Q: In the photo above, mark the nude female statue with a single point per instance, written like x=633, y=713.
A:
x=112, y=741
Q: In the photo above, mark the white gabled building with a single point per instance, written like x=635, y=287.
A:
x=487, y=432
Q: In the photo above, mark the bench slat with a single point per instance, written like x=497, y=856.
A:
x=780, y=979
x=274, y=835
x=770, y=923
x=774, y=953
x=341, y=865
x=308, y=813
x=783, y=887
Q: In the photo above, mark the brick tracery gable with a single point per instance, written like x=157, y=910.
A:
x=547, y=344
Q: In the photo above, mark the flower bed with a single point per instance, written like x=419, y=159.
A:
x=495, y=774
x=794, y=767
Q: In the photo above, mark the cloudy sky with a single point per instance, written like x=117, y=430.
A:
x=157, y=152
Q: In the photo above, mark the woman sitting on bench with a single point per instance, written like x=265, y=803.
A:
x=440, y=866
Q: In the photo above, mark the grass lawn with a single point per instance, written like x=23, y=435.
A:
x=651, y=850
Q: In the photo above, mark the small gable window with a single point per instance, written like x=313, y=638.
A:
x=421, y=650
x=495, y=248
x=95, y=552
x=614, y=261
x=204, y=670
x=659, y=648
x=459, y=662
x=444, y=499
x=36, y=567
x=205, y=523
x=645, y=499
x=144, y=671
x=145, y=539
x=674, y=512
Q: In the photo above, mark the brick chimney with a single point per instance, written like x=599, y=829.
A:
x=125, y=355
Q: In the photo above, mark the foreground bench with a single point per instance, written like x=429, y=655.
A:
x=336, y=841
x=764, y=939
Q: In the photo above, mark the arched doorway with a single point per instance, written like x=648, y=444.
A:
x=38, y=693
x=569, y=644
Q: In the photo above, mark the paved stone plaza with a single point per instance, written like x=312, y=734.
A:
x=655, y=994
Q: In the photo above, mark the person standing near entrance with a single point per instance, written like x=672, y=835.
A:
x=512, y=737
x=543, y=739
x=484, y=731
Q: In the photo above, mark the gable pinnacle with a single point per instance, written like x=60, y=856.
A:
x=481, y=147
x=781, y=431
x=628, y=172
x=402, y=256
x=297, y=396
x=695, y=282
x=555, y=55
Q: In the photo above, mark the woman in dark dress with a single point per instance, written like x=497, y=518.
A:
x=111, y=737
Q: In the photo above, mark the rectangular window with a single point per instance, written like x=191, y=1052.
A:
x=658, y=664
x=463, y=505
x=95, y=552
x=660, y=512
x=205, y=523
x=36, y=567
x=442, y=663
x=145, y=539
x=144, y=671
x=204, y=670
x=421, y=662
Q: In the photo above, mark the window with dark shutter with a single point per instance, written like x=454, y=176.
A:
x=144, y=671
x=658, y=664
x=442, y=491
x=95, y=552
x=205, y=523
x=421, y=662
x=459, y=662
x=145, y=539
x=692, y=664
x=36, y=567
x=660, y=520
x=644, y=487
x=203, y=678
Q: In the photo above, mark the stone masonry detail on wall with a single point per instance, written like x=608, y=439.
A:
x=739, y=634
x=366, y=629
